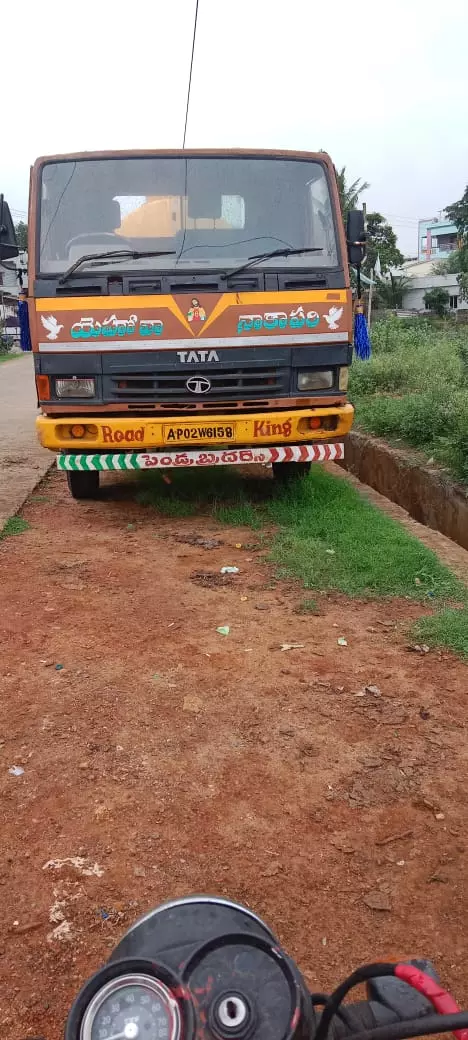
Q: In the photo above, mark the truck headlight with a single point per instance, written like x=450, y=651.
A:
x=344, y=378
x=75, y=387
x=318, y=380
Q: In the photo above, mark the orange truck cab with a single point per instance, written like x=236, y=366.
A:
x=189, y=308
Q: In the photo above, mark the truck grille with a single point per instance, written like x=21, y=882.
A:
x=226, y=384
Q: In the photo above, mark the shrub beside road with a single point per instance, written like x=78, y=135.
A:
x=415, y=388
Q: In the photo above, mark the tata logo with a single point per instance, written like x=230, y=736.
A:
x=194, y=357
x=198, y=385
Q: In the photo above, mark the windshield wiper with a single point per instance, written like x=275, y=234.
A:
x=267, y=256
x=114, y=254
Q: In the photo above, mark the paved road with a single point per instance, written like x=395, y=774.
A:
x=22, y=461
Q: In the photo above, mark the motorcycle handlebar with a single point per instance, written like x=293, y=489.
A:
x=204, y=968
x=427, y=1026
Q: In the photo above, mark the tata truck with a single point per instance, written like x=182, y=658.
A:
x=190, y=309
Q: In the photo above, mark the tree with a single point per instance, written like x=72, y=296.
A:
x=21, y=235
x=458, y=214
x=437, y=300
x=390, y=291
x=441, y=267
x=382, y=242
x=349, y=193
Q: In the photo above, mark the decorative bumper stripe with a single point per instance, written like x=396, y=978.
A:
x=234, y=457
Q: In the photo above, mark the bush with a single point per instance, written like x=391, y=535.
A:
x=415, y=388
x=437, y=300
x=389, y=373
x=418, y=418
x=6, y=343
x=393, y=334
x=462, y=350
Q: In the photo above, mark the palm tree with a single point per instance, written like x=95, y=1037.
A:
x=349, y=193
x=390, y=292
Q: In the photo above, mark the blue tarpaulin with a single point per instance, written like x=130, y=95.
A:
x=25, y=335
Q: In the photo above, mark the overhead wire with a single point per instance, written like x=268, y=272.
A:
x=191, y=70
x=185, y=215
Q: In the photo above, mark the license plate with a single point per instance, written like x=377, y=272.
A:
x=201, y=432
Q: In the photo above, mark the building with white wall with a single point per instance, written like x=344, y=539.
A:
x=10, y=285
x=422, y=279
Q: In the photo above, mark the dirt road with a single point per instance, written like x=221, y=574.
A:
x=161, y=757
x=22, y=460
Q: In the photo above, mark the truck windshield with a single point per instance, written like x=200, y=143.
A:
x=213, y=212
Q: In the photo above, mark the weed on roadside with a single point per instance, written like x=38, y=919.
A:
x=448, y=628
x=332, y=538
x=323, y=532
x=223, y=491
x=308, y=606
x=14, y=525
x=238, y=514
x=415, y=388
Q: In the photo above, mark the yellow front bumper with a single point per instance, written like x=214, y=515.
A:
x=83, y=433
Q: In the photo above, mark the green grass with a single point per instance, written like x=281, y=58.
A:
x=7, y=357
x=240, y=514
x=415, y=388
x=170, y=507
x=331, y=538
x=308, y=606
x=322, y=532
x=191, y=492
x=14, y=525
x=448, y=628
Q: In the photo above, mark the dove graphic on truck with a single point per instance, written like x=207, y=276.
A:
x=52, y=326
x=333, y=317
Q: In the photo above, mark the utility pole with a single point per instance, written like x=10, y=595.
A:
x=369, y=302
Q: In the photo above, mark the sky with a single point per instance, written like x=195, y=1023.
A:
x=382, y=87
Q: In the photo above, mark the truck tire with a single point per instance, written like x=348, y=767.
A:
x=83, y=485
x=289, y=472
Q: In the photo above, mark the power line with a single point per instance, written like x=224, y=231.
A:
x=191, y=68
x=406, y=220
x=395, y=222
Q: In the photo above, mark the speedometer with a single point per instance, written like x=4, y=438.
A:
x=132, y=1007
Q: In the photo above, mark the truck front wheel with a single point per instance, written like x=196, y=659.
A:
x=83, y=485
x=288, y=472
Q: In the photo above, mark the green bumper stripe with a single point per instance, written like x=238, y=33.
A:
x=88, y=463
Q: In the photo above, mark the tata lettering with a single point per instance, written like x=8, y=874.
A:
x=194, y=357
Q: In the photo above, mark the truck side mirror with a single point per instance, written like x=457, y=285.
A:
x=356, y=237
x=8, y=244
